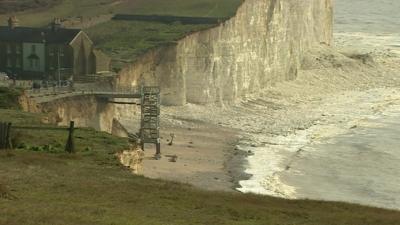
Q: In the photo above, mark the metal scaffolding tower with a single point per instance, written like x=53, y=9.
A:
x=150, y=118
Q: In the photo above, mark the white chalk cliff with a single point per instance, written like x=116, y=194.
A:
x=261, y=45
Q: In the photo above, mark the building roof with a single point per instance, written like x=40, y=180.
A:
x=38, y=35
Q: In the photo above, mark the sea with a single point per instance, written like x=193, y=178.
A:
x=361, y=165
x=368, y=25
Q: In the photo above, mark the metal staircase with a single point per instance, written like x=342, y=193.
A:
x=150, y=118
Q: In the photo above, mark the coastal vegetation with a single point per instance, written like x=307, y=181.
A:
x=124, y=41
x=9, y=98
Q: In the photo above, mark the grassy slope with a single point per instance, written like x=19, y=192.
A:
x=137, y=37
x=67, y=8
x=46, y=186
x=60, y=189
x=9, y=98
x=123, y=40
x=20, y=5
x=202, y=8
x=208, y=8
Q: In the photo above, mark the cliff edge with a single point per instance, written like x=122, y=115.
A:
x=262, y=45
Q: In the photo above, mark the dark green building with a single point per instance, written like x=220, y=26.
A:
x=44, y=53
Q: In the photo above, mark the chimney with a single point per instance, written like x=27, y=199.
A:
x=56, y=24
x=13, y=22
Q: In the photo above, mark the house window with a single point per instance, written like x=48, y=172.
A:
x=61, y=51
x=34, y=63
x=33, y=49
x=51, y=51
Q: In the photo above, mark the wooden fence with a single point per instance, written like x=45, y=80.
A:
x=5, y=137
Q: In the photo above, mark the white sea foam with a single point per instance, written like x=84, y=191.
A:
x=275, y=166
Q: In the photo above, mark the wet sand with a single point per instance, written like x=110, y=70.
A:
x=200, y=155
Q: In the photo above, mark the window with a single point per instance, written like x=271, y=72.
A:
x=61, y=51
x=33, y=49
x=34, y=63
x=51, y=51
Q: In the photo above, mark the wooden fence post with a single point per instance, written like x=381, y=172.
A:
x=8, y=136
x=70, y=147
x=2, y=135
x=5, y=139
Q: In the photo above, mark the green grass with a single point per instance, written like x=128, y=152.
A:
x=66, y=8
x=90, y=187
x=201, y=8
x=9, y=98
x=36, y=14
x=87, y=140
x=20, y=5
x=126, y=40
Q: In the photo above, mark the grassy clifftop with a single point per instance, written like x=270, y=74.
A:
x=125, y=40
x=38, y=12
x=7, y=6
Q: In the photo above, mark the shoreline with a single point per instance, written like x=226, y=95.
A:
x=283, y=151
x=235, y=165
x=355, y=166
x=296, y=113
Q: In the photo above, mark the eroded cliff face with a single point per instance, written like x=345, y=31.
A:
x=263, y=44
x=89, y=111
x=86, y=111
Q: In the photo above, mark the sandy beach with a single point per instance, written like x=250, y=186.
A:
x=198, y=156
